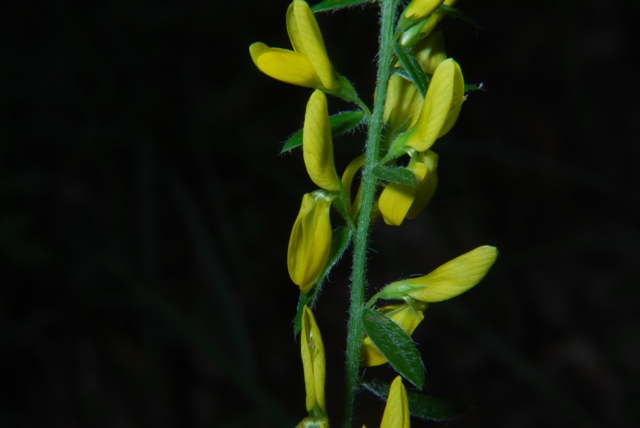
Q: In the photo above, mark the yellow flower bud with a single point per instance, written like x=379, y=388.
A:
x=308, y=63
x=313, y=361
x=310, y=241
x=419, y=31
x=428, y=185
x=406, y=316
x=347, y=179
x=317, y=144
x=447, y=281
x=396, y=412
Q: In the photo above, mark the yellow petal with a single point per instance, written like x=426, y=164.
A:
x=456, y=101
x=435, y=109
x=313, y=361
x=396, y=199
x=428, y=185
x=306, y=38
x=454, y=277
x=430, y=52
x=286, y=66
x=396, y=412
x=317, y=144
x=347, y=177
x=403, y=103
x=310, y=242
x=420, y=8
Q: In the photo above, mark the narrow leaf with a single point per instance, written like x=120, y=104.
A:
x=396, y=346
x=339, y=243
x=421, y=406
x=340, y=123
x=396, y=175
x=411, y=66
x=326, y=5
x=455, y=13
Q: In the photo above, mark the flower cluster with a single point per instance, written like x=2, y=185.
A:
x=424, y=96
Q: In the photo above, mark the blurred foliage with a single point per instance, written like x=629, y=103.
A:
x=145, y=214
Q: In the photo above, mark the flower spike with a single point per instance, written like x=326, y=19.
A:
x=396, y=412
x=308, y=63
x=447, y=281
x=313, y=361
x=310, y=241
x=317, y=144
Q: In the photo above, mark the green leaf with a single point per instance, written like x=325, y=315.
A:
x=325, y=5
x=397, y=175
x=420, y=405
x=340, y=123
x=339, y=243
x=455, y=13
x=411, y=66
x=396, y=346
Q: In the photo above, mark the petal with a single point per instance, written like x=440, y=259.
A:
x=396, y=199
x=435, y=109
x=317, y=144
x=456, y=102
x=307, y=39
x=369, y=354
x=454, y=277
x=350, y=172
x=256, y=50
x=427, y=188
x=313, y=361
x=287, y=66
x=403, y=103
x=430, y=52
x=310, y=242
x=420, y=8
x=396, y=412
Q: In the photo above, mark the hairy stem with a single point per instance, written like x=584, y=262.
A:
x=361, y=240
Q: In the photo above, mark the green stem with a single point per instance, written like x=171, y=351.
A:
x=361, y=240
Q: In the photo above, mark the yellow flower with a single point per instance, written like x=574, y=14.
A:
x=313, y=361
x=310, y=241
x=317, y=144
x=447, y=281
x=406, y=316
x=441, y=106
x=398, y=201
x=420, y=8
x=308, y=63
x=396, y=412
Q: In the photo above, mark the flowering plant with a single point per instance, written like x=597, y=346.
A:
x=418, y=99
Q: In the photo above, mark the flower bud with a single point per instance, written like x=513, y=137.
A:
x=317, y=144
x=313, y=361
x=310, y=241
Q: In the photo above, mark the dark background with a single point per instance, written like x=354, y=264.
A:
x=145, y=214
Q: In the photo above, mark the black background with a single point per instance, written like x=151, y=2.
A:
x=145, y=215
